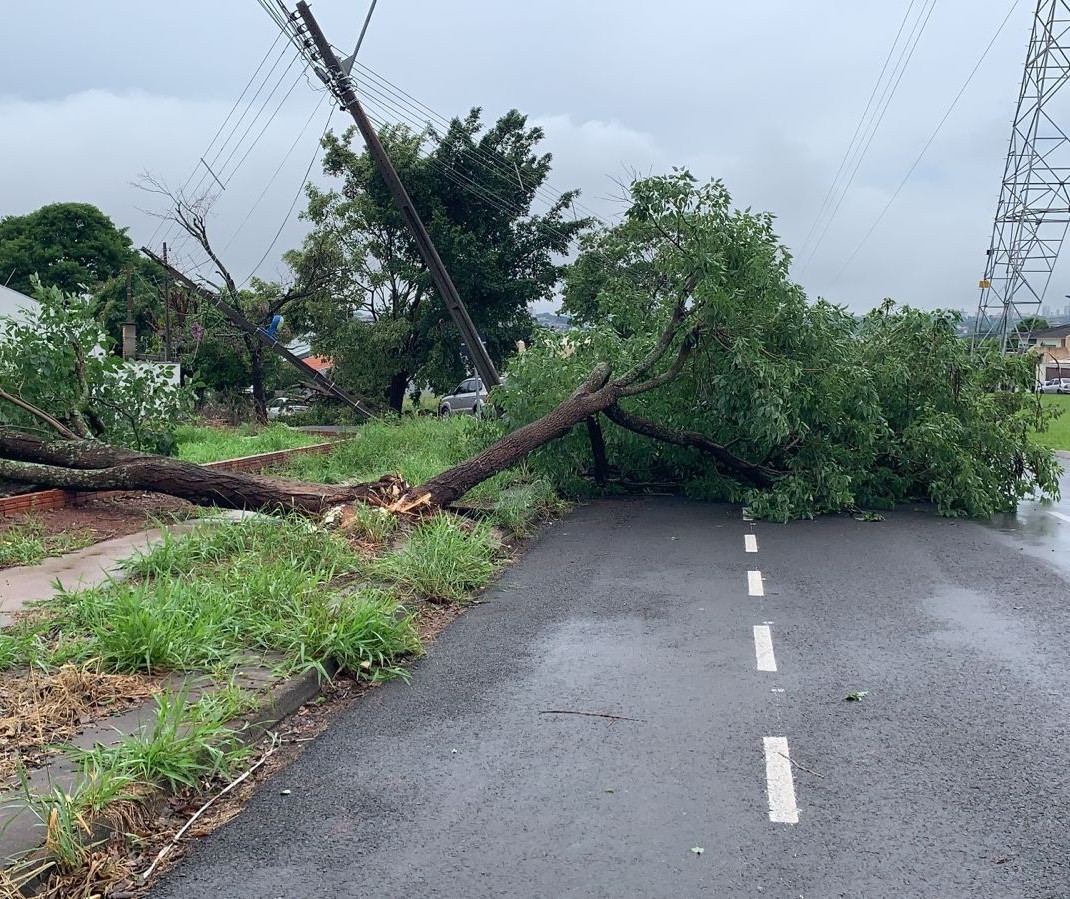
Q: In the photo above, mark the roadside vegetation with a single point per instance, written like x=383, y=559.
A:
x=1057, y=433
x=209, y=443
x=282, y=594
x=27, y=542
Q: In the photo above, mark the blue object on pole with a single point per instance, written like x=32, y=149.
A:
x=276, y=320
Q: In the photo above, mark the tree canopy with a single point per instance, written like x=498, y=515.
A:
x=379, y=317
x=763, y=396
x=71, y=246
x=55, y=359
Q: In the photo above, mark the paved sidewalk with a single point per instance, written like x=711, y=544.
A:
x=84, y=568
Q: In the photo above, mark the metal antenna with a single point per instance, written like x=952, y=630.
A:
x=1034, y=201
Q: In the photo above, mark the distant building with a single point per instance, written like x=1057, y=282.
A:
x=12, y=302
x=1052, y=344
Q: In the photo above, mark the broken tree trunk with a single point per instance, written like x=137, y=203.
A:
x=89, y=465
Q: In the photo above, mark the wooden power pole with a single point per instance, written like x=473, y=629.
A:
x=331, y=73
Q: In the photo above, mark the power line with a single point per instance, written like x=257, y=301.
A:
x=421, y=110
x=297, y=196
x=928, y=143
x=884, y=102
x=278, y=169
x=858, y=128
x=173, y=227
x=281, y=22
x=223, y=124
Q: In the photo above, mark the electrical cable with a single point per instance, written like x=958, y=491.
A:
x=858, y=128
x=883, y=103
x=278, y=169
x=928, y=143
x=223, y=125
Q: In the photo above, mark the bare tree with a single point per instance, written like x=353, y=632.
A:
x=191, y=215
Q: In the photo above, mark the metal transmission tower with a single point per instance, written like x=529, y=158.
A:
x=1034, y=201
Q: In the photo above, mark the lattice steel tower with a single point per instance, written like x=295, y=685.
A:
x=1034, y=202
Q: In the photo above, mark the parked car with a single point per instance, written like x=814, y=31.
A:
x=281, y=407
x=1055, y=385
x=468, y=397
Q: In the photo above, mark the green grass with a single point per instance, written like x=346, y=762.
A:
x=201, y=602
x=416, y=447
x=1057, y=436
x=185, y=745
x=26, y=543
x=444, y=559
x=284, y=586
x=198, y=443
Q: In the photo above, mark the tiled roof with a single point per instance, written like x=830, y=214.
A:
x=1057, y=331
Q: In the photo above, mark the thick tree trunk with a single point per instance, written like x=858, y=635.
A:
x=399, y=383
x=592, y=397
x=256, y=367
x=87, y=465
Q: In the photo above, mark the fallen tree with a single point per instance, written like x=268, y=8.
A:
x=713, y=371
x=89, y=465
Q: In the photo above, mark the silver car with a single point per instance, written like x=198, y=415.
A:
x=1055, y=385
x=468, y=397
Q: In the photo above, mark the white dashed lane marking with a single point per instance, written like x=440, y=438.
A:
x=763, y=648
x=750, y=543
x=754, y=583
x=1059, y=515
x=780, y=782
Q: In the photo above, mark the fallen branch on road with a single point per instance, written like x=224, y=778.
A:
x=588, y=714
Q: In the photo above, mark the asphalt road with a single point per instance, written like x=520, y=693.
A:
x=947, y=779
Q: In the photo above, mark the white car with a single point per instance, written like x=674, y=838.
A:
x=282, y=407
x=1055, y=385
x=468, y=397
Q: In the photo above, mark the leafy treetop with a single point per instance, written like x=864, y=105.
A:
x=71, y=246
x=379, y=317
x=842, y=413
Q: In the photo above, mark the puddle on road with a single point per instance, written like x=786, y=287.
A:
x=1035, y=530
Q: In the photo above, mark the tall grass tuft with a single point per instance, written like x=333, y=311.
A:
x=258, y=585
x=209, y=444
x=443, y=560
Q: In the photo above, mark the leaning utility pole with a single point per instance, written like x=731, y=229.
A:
x=129, y=328
x=166, y=307
x=331, y=72
x=1034, y=201
x=314, y=376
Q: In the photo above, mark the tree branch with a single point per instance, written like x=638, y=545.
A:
x=679, y=314
x=59, y=427
x=678, y=365
x=758, y=475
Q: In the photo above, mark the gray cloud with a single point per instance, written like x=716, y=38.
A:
x=765, y=96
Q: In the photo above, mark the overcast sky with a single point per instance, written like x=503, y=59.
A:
x=764, y=95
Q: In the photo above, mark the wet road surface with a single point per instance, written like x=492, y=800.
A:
x=727, y=649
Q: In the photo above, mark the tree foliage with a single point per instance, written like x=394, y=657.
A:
x=56, y=358
x=71, y=246
x=379, y=317
x=843, y=414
